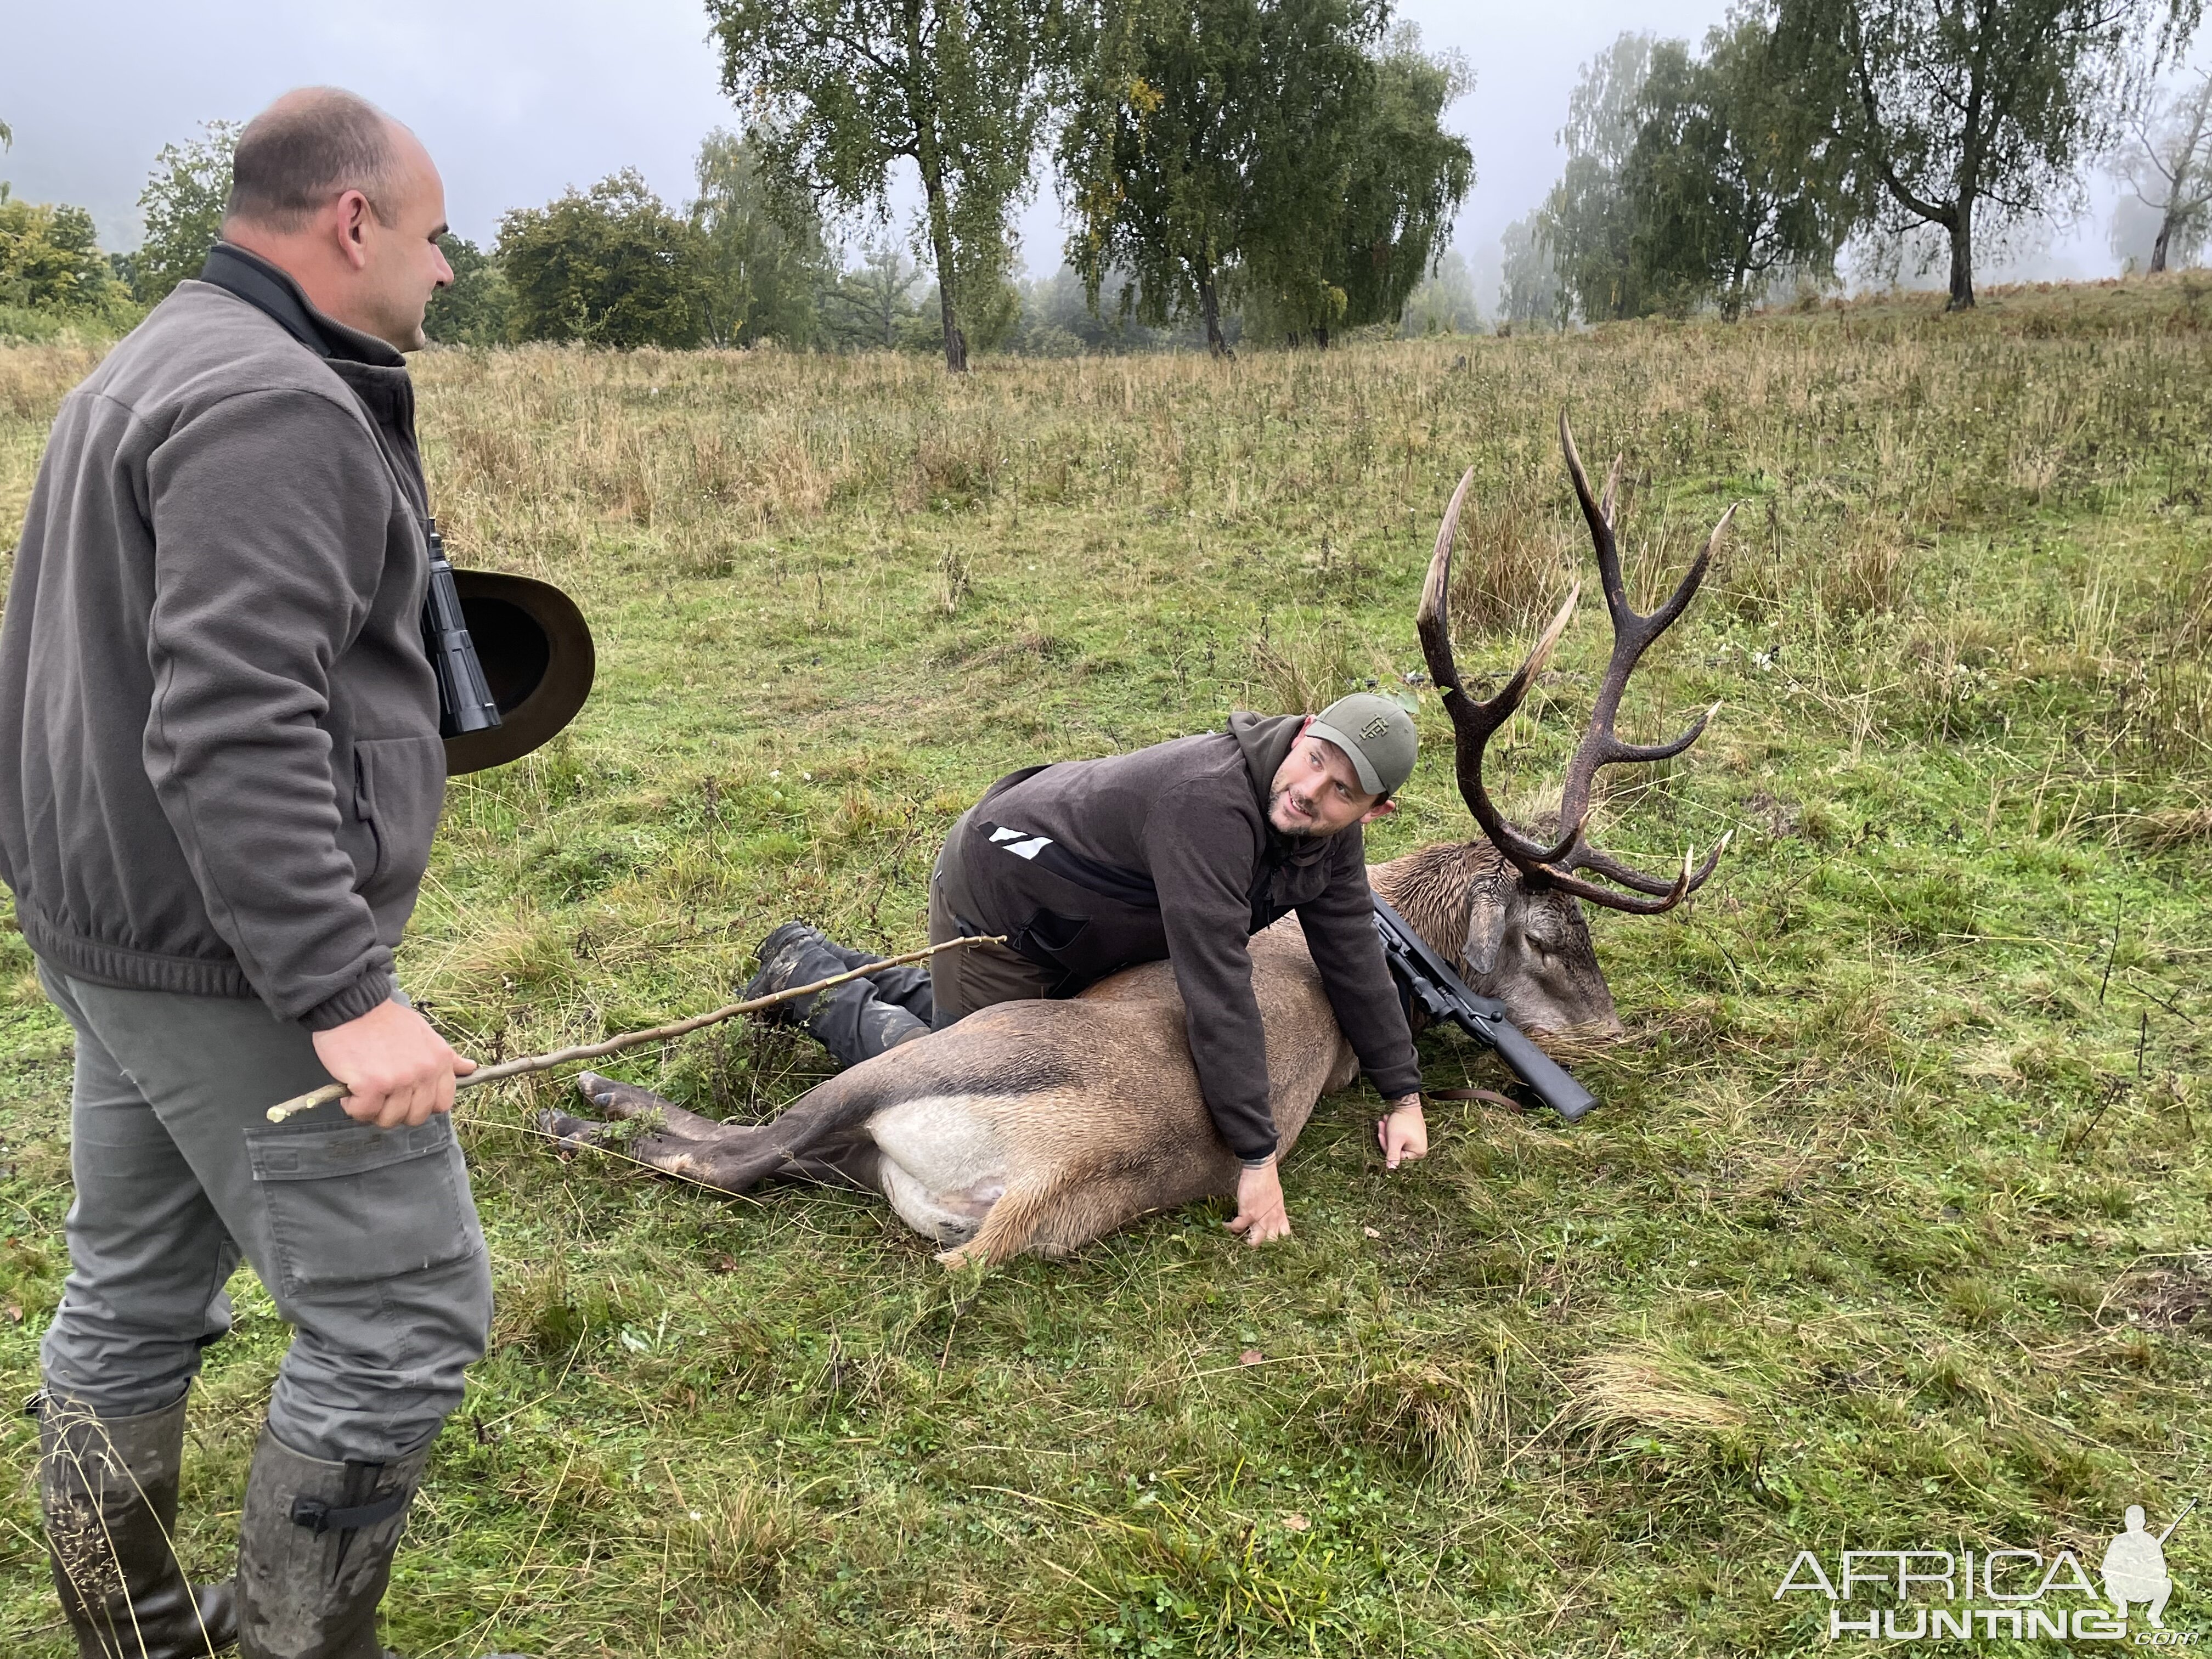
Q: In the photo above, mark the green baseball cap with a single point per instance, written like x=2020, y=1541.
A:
x=1376, y=734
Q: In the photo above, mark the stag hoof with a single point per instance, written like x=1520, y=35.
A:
x=619, y=1099
x=570, y=1135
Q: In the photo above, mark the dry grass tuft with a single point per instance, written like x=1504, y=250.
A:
x=1642, y=1388
x=1456, y=1415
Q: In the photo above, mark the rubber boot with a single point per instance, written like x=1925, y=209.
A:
x=108, y=1486
x=854, y=1021
x=314, y=1552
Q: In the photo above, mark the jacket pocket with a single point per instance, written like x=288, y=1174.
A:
x=349, y=1203
x=399, y=786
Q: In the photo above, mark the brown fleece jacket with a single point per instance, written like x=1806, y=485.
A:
x=1089, y=866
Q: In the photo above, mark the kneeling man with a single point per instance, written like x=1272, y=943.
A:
x=1182, y=850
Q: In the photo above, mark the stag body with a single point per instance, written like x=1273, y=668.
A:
x=1042, y=1125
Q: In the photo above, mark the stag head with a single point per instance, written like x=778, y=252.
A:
x=1519, y=929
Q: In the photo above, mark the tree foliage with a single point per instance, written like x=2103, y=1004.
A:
x=762, y=247
x=1586, y=222
x=1276, y=151
x=610, y=266
x=842, y=91
x=477, y=308
x=1528, y=288
x=50, y=259
x=182, y=205
x=1376, y=184
x=1733, y=178
x=1970, y=115
x=1157, y=151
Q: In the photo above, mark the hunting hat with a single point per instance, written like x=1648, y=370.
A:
x=1378, y=736
x=537, y=661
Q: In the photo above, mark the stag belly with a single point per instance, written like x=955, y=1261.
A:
x=945, y=1163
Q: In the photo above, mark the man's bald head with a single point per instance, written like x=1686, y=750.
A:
x=334, y=191
x=308, y=147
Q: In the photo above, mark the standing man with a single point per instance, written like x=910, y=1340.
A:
x=1182, y=850
x=220, y=772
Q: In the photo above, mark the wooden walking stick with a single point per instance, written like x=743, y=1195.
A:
x=615, y=1045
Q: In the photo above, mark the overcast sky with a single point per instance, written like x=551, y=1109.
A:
x=520, y=98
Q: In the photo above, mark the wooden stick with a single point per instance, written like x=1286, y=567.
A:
x=615, y=1045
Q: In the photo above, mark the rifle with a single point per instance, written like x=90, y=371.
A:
x=1425, y=977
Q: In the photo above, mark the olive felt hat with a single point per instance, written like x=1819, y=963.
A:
x=1376, y=734
x=535, y=649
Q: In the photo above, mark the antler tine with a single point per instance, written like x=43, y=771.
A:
x=1473, y=722
x=1613, y=870
x=1599, y=515
x=1667, y=895
x=1632, y=635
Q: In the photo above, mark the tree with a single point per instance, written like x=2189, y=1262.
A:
x=50, y=259
x=868, y=306
x=1973, y=114
x=1156, y=151
x=1376, y=178
x=842, y=91
x=610, y=267
x=764, y=253
x=1444, y=303
x=2170, y=171
x=475, y=309
x=183, y=204
x=1529, y=289
x=1733, y=178
x=1586, y=223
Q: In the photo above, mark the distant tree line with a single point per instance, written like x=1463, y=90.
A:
x=1709, y=179
x=1238, y=167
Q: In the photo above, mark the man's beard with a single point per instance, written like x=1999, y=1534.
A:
x=1300, y=833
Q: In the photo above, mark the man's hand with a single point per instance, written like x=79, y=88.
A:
x=400, y=1070
x=1259, y=1212
x=1403, y=1134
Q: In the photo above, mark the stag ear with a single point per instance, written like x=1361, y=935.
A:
x=1486, y=929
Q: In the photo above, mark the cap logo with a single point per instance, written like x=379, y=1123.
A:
x=1374, y=728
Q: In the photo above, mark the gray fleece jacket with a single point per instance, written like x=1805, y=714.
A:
x=220, y=767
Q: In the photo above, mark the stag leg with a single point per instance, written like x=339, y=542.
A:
x=724, y=1155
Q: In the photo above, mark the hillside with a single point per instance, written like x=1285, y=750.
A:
x=1889, y=1231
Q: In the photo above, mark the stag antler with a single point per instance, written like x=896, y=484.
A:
x=1472, y=723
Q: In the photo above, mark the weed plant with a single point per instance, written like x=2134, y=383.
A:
x=1891, y=1230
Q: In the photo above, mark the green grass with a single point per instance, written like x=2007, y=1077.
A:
x=1890, y=1231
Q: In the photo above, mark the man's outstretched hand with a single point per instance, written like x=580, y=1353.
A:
x=1259, y=1212
x=397, y=1069
x=1405, y=1133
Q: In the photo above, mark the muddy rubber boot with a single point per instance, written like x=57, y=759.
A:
x=794, y=954
x=854, y=1021
x=314, y=1552
x=108, y=1486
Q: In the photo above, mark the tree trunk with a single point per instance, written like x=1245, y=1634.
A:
x=940, y=242
x=1209, y=306
x=1320, y=336
x=2165, y=235
x=1962, y=258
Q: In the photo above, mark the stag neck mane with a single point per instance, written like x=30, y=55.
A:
x=1435, y=888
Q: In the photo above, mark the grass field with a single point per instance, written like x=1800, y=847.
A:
x=1891, y=1231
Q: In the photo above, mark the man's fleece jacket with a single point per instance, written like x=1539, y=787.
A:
x=220, y=767
x=1090, y=866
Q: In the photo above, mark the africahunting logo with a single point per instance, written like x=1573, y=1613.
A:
x=2012, y=1593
